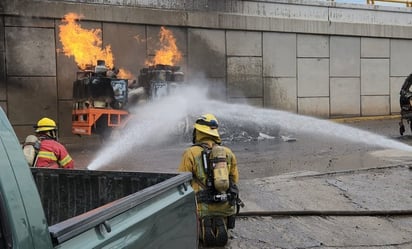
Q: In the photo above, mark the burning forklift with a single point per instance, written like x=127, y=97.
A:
x=102, y=101
x=101, y=96
x=99, y=99
x=160, y=80
x=156, y=82
x=406, y=104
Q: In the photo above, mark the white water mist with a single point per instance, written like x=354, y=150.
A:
x=306, y=124
x=154, y=123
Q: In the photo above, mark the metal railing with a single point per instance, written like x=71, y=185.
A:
x=408, y=3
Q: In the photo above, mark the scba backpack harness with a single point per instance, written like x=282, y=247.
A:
x=31, y=147
x=219, y=188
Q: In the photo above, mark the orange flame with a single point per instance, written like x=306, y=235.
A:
x=169, y=53
x=84, y=45
x=125, y=74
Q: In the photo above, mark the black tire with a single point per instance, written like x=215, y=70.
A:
x=102, y=129
x=401, y=129
x=410, y=124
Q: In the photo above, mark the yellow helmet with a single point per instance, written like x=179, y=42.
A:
x=207, y=123
x=45, y=124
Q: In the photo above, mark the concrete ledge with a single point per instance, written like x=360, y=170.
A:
x=366, y=118
x=297, y=16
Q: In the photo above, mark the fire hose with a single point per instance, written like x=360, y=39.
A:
x=406, y=212
x=326, y=213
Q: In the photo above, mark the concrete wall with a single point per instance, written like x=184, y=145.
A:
x=321, y=59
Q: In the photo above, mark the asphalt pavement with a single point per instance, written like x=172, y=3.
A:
x=293, y=171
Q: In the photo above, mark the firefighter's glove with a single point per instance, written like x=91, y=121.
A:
x=204, y=196
x=233, y=194
x=240, y=203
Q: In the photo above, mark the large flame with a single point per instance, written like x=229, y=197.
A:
x=168, y=54
x=84, y=45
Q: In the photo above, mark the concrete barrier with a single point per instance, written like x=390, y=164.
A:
x=315, y=58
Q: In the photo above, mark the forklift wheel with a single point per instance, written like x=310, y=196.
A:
x=401, y=129
x=102, y=129
x=410, y=124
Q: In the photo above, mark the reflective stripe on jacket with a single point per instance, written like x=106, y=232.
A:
x=52, y=154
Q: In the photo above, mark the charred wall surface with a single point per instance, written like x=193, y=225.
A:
x=321, y=59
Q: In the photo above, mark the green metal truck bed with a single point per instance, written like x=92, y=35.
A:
x=59, y=208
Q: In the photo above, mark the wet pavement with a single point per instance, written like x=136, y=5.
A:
x=309, y=172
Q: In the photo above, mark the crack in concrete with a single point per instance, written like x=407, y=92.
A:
x=343, y=191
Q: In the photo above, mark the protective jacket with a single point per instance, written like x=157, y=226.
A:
x=52, y=154
x=192, y=162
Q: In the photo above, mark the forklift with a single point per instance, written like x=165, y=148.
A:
x=99, y=101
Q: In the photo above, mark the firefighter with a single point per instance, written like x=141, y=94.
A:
x=217, y=203
x=51, y=153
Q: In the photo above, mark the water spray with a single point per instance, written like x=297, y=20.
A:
x=155, y=122
x=293, y=122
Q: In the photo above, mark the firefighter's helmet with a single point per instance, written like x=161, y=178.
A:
x=208, y=124
x=45, y=124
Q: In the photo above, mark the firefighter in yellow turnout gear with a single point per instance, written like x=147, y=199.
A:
x=215, y=175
